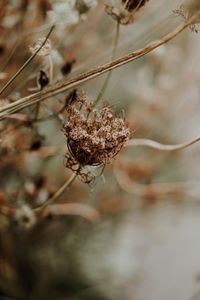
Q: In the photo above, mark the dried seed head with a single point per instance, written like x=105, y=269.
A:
x=94, y=136
x=45, y=50
x=123, y=11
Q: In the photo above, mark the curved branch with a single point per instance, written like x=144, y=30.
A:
x=159, y=146
x=27, y=62
x=158, y=188
x=64, y=85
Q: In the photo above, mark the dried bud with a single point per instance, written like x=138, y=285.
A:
x=42, y=79
x=94, y=136
x=45, y=50
x=67, y=67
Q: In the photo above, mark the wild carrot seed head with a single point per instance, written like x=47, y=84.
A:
x=94, y=136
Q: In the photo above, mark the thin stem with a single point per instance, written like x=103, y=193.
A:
x=10, y=210
x=107, y=79
x=62, y=86
x=18, y=41
x=59, y=192
x=50, y=69
x=26, y=63
x=157, y=188
x=159, y=146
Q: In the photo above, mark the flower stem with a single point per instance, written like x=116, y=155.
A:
x=108, y=76
x=57, y=194
x=26, y=63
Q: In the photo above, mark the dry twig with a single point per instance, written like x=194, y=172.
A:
x=64, y=85
x=159, y=146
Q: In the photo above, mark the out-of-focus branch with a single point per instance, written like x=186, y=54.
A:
x=64, y=85
x=79, y=209
x=159, y=146
x=10, y=210
x=157, y=189
x=59, y=192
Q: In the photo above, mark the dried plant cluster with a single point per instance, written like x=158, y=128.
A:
x=94, y=135
x=60, y=237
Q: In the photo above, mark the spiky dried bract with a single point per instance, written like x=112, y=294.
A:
x=94, y=136
x=123, y=11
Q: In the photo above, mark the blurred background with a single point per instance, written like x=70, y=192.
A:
x=146, y=242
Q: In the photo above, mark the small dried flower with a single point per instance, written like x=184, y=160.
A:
x=45, y=50
x=188, y=10
x=94, y=136
x=124, y=11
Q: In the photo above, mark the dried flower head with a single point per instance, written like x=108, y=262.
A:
x=191, y=9
x=94, y=136
x=45, y=50
x=124, y=11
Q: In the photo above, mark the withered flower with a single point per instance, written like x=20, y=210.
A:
x=190, y=9
x=94, y=136
x=123, y=11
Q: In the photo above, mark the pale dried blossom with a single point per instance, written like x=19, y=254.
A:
x=123, y=11
x=45, y=50
x=69, y=12
x=94, y=136
x=64, y=12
